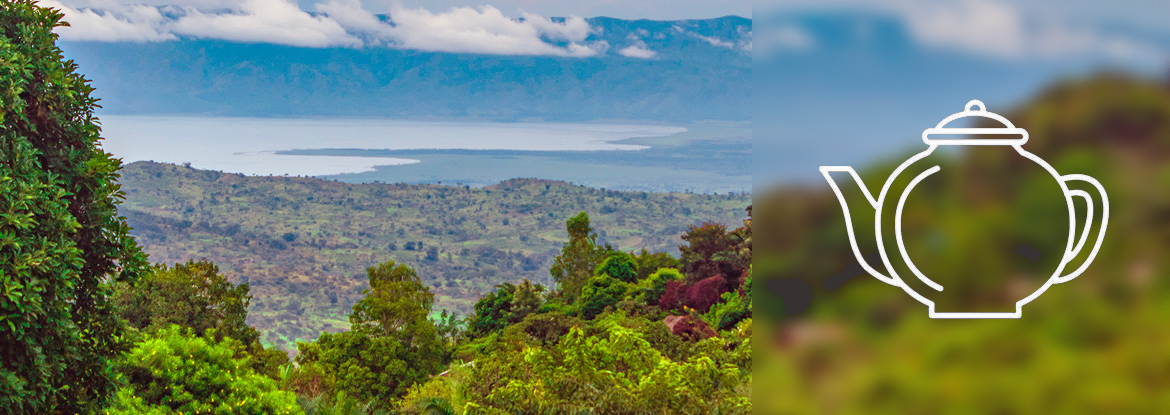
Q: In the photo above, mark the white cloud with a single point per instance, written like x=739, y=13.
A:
x=1001, y=29
x=975, y=25
x=1004, y=30
x=355, y=19
x=487, y=30
x=341, y=23
x=573, y=29
x=714, y=41
x=793, y=38
x=780, y=39
x=638, y=50
x=265, y=21
x=134, y=23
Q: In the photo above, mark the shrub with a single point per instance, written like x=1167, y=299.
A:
x=615, y=371
x=690, y=328
x=176, y=371
x=726, y=314
x=548, y=328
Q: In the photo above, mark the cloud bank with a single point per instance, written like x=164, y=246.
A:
x=997, y=29
x=337, y=23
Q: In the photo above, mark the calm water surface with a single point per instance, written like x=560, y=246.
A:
x=249, y=145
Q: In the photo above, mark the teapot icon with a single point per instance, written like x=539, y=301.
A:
x=920, y=168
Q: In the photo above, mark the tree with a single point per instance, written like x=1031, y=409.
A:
x=578, y=258
x=600, y=292
x=616, y=371
x=195, y=295
x=508, y=304
x=712, y=251
x=176, y=371
x=61, y=240
x=392, y=344
x=619, y=265
x=650, y=262
x=652, y=288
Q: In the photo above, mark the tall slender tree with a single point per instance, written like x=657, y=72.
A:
x=578, y=259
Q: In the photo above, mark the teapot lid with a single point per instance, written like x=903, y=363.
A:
x=970, y=111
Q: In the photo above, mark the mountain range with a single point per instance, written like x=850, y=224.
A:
x=686, y=71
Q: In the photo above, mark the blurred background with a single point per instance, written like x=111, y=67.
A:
x=855, y=84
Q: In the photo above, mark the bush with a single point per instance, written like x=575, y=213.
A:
x=725, y=315
x=547, y=328
x=176, y=371
x=690, y=328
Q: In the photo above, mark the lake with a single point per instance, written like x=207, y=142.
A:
x=618, y=156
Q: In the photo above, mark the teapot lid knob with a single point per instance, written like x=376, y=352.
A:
x=976, y=103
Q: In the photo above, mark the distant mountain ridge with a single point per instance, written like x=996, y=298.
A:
x=701, y=70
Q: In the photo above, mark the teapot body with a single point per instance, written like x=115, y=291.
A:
x=976, y=234
x=981, y=235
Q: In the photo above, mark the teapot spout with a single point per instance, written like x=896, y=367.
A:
x=860, y=215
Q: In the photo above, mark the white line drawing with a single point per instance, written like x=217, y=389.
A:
x=973, y=108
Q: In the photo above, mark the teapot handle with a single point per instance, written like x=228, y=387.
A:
x=1084, y=234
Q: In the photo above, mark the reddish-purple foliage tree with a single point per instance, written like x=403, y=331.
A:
x=673, y=296
x=705, y=293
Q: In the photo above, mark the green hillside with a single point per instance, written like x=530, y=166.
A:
x=303, y=244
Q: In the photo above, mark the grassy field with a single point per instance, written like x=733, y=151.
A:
x=303, y=244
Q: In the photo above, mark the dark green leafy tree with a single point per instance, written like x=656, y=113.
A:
x=61, y=240
x=195, y=295
x=600, y=292
x=508, y=304
x=392, y=344
x=619, y=265
x=578, y=258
